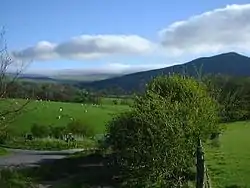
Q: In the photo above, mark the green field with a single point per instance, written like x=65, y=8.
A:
x=47, y=113
x=229, y=165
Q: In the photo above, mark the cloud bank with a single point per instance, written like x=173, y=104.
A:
x=224, y=29
x=219, y=30
x=109, y=68
x=87, y=47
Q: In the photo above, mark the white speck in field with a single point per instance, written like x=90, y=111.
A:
x=16, y=102
x=86, y=110
x=59, y=117
x=71, y=119
x=82, y=104
x=60, y=109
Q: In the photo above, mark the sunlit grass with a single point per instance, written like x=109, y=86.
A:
x=229, y=165
x=47, y=113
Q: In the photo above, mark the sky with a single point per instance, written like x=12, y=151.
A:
x=117, y=36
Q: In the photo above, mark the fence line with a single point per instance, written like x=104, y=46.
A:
x=202, y=177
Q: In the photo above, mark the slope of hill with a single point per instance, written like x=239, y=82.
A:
x=90, y=77
x=230, y=63
x=67, y=77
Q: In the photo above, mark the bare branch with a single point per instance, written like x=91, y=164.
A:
x=8, y=111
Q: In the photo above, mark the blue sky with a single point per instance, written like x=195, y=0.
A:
x=98, y=27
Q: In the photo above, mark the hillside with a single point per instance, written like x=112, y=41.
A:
x=230, y=63
x=67, y=77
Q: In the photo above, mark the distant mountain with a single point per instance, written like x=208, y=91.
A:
x=228, y=63
x=67, y=77
x=86, y=77
x=43, y=79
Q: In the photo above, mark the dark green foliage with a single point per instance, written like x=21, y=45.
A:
x=115, y=102
x=125, y=102
x=57, y=132
x=77, y=127
x=4, y=137
x=233, y=95
x=40, y=131
x=155, y=141
x=28, y=137
x=10, y=178
x=50, y=144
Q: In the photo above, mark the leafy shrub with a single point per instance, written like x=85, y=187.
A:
x=50, y=144
x=76, y=127
x=155, y=141
x=40, y=131
x=12, y=178
x=125, y=102
x=115, y=102
x=4, y=136
x=57, y=132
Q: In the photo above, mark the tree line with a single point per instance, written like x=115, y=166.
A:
x=232, y=93
x=52, y=92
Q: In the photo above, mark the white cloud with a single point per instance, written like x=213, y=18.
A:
x=107, y=68
x=129, y=68
x=87, y=47
x=225, y=29
x=42, y=51
x=219, y=30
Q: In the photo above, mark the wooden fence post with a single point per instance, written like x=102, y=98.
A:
x=200, y=169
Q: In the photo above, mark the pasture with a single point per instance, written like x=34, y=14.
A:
x=229, y=165
x=49, y=113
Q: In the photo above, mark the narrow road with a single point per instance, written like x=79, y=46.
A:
x=19, y=157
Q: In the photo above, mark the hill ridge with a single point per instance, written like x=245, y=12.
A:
x=236, y=65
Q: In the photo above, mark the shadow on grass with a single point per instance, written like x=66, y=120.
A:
x=89, y=170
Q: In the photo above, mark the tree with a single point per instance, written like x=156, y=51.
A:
x=233, y=95
x=10, y=70
x=155, y=141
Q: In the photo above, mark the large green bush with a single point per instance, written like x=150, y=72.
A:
x=40, y=131
x=156, y=140
x=77, y=127
x=57, y=131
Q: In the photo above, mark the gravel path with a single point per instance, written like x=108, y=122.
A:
x=19, y=157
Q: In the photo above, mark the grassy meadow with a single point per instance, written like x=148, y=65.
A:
x=47, y=113
x=229, y=164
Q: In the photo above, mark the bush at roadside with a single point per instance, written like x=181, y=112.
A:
x=50, y=144
x=57, y=132
x=79, y=128
x=11, y=178
x=156, y=140
x=40, y=131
